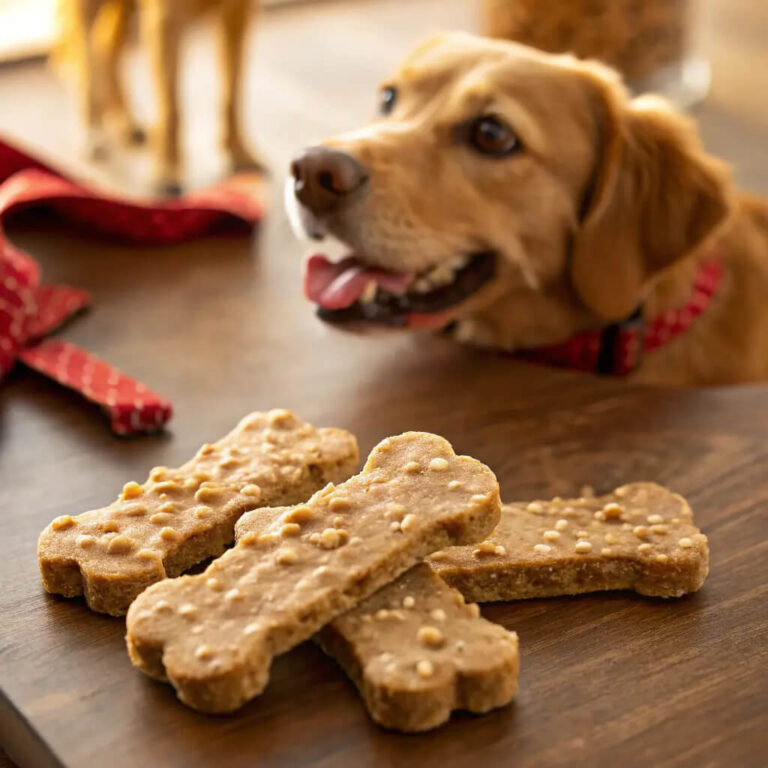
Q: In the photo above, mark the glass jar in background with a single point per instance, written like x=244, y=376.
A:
x=657, y=45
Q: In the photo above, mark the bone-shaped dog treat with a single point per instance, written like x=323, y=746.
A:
x=213, y=635
x=415, y=649
x=180, y=517
x=640, y=537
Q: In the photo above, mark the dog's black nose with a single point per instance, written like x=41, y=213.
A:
x=325, y=179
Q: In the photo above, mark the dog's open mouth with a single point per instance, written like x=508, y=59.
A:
x=349, y=290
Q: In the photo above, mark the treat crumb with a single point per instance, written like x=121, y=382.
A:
x=484, y=548
x=62, y=523
x=131, y=490
x=251, y=490
x=411, y=467
x=561, y=525
x=286, y=556
x=425, y=668
x=542, y=548
x=298, y=515
x=331, y=538
x=168, y=534
x=290, y=529
x=438, y=465
x=408, y=602
x=431, y=636
x=120, y=545
x=204, y=652
x=409, y=521
x=583, y=547
x=207, y=494
x=394, y=512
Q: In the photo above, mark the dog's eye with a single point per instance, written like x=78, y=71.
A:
x=387, y=99
x=493, y=136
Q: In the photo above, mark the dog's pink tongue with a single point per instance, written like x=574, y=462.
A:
x=339, y=285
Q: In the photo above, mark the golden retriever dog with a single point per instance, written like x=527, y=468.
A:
x=522, y=201
x=92, y=40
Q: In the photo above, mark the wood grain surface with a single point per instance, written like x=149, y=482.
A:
x=220, y=327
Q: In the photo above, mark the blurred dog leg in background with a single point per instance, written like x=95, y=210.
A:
x=92, y=39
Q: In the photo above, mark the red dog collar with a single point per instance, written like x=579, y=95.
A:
x=618, y=349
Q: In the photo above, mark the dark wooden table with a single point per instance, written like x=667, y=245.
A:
x=221, y=328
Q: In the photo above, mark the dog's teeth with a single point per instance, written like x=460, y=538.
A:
x=461, y=262
x=369, y=294
x=442, y=274
x=422, y=285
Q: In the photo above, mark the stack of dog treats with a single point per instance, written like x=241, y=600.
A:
x=378, y=567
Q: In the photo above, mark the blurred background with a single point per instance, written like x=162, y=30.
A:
x=312, y=69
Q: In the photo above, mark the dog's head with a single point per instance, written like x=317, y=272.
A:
x=506, y=184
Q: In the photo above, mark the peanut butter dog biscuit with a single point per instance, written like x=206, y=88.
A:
x=640, y=537
x=415, y=649
x=214, y=635
x=180, y=517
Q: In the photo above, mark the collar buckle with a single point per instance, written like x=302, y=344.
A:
x=622, y=346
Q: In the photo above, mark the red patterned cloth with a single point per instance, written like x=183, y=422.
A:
x=29, y=309
x=618, y=350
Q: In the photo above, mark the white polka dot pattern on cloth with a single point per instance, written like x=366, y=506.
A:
x=30, y=310
x=131, y=406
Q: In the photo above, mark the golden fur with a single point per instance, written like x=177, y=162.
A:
x=92, y=39
x=610, y=204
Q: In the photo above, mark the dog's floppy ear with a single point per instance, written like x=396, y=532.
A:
x=655, y=195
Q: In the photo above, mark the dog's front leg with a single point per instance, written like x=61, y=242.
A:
x=87, y=76
x=234, y=17
x=111, y=38
x=160, y=28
